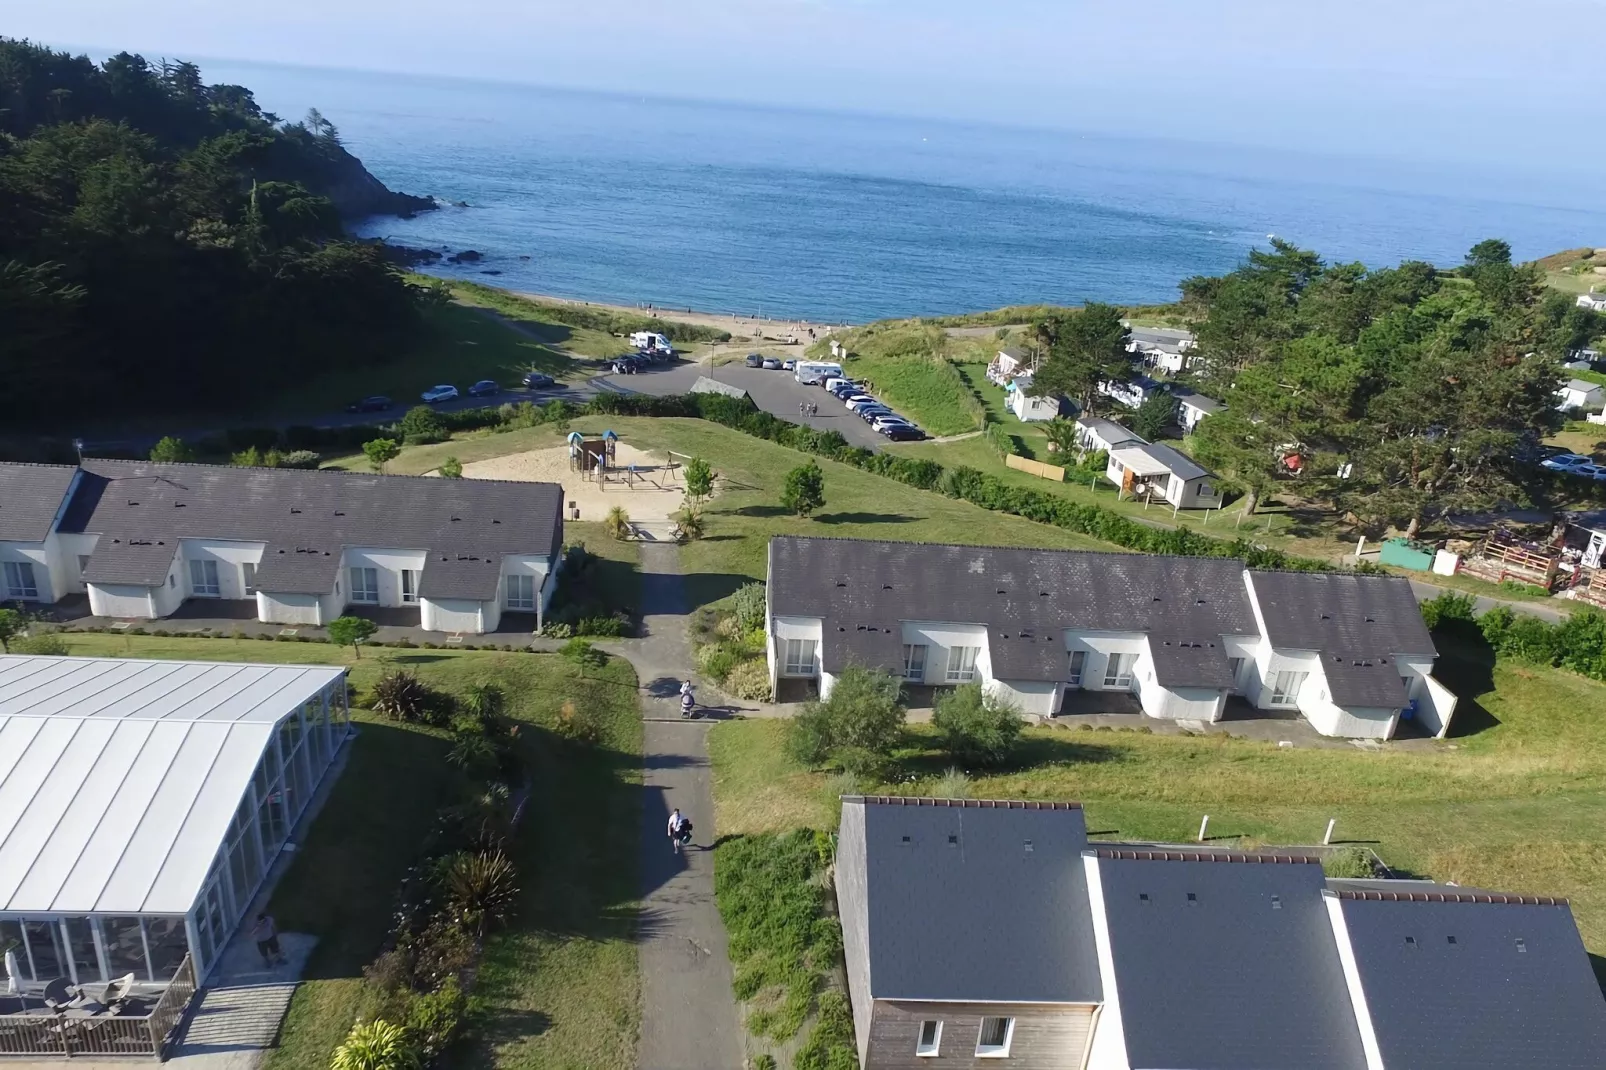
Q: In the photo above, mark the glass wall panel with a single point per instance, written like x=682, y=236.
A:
x=272, y=819
x=11, y=940
x=125, y=947
x=168, y=944
x=81, y=947
x=44, y=949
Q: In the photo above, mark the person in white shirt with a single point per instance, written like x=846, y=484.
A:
x=679, y=829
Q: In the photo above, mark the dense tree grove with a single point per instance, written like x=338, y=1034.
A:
x=166, y=241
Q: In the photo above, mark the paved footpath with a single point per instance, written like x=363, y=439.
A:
x=688, y=1013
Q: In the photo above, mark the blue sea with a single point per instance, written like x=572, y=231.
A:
x=838, y=217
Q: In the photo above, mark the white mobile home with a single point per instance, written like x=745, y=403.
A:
x=1157, y=472
x=1580, y=394
x=813, y=372
x=1027, y=407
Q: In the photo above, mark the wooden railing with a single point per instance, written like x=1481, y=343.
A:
x=70, y=1036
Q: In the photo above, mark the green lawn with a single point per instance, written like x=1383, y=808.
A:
x=1515, y=802
x=560, y=985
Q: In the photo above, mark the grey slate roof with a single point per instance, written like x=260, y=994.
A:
x=307, y=518
x=1195, y=400
x=30, y=497
x=1246, y=976
x=981, y=916
x=1190, y=663
x=1358, y=624
x=1582, y=386
x=1108, y=430
x=1027, y=598
x=1480, y=1003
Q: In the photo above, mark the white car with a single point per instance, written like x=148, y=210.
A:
x=856, y=402
x=1593, y=471
x=1562, y=462
x=443, y=392
x=881, y=423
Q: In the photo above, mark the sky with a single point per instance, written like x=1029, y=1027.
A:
x=1444, y=80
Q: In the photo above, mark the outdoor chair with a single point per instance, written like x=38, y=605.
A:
x=58, y=994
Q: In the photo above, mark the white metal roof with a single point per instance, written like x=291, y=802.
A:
x=118, y=778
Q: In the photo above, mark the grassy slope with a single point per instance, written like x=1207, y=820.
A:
x=1518, y=804
x=561, y=984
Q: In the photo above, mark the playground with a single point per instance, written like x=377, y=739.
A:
x=596, y=474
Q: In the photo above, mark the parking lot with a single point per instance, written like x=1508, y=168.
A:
x=773, y=391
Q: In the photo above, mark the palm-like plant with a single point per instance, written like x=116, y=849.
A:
x=485, y=703
x=617, y=523
x=376, y=1045
x=480, y=888
x=402, y=696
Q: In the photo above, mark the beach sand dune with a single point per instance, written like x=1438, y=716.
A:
x=654, y=492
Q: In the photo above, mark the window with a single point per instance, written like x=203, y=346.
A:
x=1285, y=688
x=203, y=578
x=930, y=1038
x=520, y=591
x=83, y=565
x=996, y=1033
x=1078, y=660
x=1118, y=670
x=365, y=585
x=409, y=579
x=800, y=657
x=914, y=662
x=19, y=580
x=962, y=664
x=248, y=579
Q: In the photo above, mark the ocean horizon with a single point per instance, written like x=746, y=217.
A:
x=852, y=217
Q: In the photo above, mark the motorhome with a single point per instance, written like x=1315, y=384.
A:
x=815, y=372
x=650, y=340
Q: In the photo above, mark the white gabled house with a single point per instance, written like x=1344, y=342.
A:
x=1094, y=433
x=1131, y=392
x=139, y=539
x=1027, y=407
x=1580, y=394
x=1193, y=407
x=1181, y=634
x=1162, y=349
x=1593, y=300
x=1153, y=470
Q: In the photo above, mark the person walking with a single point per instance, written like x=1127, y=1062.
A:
x=679, y=830
x=266, y=934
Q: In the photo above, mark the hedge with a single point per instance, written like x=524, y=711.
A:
x=1577, y=643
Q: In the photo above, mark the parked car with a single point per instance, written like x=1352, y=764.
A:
x=871, y=413
x=754, y=360
x=376, y=403
x=859, y=401
x=788, y=365
x=1563, y=462
x=771, y=364
x=1593, y=471
x=443, y=392
x=905, y=433
x=627, y=365
x=539, y=381
x=884, y=420
x=484, y=389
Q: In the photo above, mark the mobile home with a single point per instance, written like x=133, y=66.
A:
x=815, y=372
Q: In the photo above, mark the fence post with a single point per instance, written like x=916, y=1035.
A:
x=1328, y=838
x=1203, y=825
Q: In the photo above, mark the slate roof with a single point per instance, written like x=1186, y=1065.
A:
x=1358, y=624
x=1108, y=430
x=1195, y=400
x=998, y=912
x=1027, y=599
x=1514, y=991
x=1173, y=461
x=1243, y=976
x=30, y=497
x=306, y=518
x=1582, y=386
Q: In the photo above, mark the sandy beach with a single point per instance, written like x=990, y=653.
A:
x=742, y=327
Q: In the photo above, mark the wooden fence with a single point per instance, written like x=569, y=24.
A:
x=1036, y=468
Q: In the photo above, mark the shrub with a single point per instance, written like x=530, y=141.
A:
x=308, y=459
x=976, y=728
x=749, y=606
x=717, y=660
x=1155, y=416
x=556, y=629
x=12, y=625
x=830, y=1045
x=451, y=468
x=577, y=725
x=352, y=632
x=479, y=887
x=615, y=627
x=1001, y=440
x=953, y=784
x=435, y=1018
x=583, y=655
x=749, y=680
x=856, y=727
x=699, y=479
x=617, y=523
x=1352, y=862
x=1447, y=608
x=803, y=491
x=380, y=451
x=422, y=422
x=171, y=450
x=45, y=644
x=402, y=696
x=376, y=1045
x=690, y=520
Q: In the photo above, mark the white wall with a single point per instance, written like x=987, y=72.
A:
x=1029, y=408
x=538, y=566
x=35, y=554
x=938, y=638
x=827, y=682
x=70, y=546
x=1196, y=493
x=1181, y=703
x=782, y=628
x=120, y=600
x=1108, y=1050
x=289, y=608
x=1100, y=645
x=171, y=594
x=453, y=615
x=1031, y=696
x=389, y=563
x=230, y=556
x=1435, y=703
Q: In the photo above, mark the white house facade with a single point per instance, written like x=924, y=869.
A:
x=1158, y=472
x=1580, y=394
x=140, y=539
x=1181, y=635
x=1026, y=406
x=1096, y=433
x=1593, y=300
x=1193, y=407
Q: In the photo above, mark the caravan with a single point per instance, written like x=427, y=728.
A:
x=650, y=340
x=815, y=372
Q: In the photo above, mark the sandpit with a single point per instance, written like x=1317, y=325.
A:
x=654, y=492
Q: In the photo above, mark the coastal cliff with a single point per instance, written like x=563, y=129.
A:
x=355, y=192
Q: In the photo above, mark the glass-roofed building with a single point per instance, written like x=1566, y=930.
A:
x=142, y=803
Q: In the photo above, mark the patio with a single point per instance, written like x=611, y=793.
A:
x=143, y=1023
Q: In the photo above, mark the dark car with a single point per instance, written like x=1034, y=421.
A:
x=903, y=433
x=377, y=403
x=484, y=389
x=867, y=413
x=755, y=360
x=539, y=381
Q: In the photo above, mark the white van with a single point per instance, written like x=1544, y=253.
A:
x=650, y=340
x=814, y=372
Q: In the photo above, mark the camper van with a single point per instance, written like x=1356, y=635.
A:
x=814, y=372
x=650, y=340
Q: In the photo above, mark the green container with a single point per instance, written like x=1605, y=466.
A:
x=1408, y=553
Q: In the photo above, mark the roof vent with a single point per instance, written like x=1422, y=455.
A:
x=1410, y=941
x=1371, y=620
x=1276, y=902
x=1001, y=591
x=886, y=586
x=1029, y=847
x=178, y=505
x=1449, y=939
x=953, y=840
x=1156, y=598
x=455, y=519
x=907, y=839
x=1193, y=897
x=293, y=509
x=496, y=521
x=339, y=513
x=1326, y=617
x=132, y=502
x=1522, y=946
x=1042, y=594
x=1143, y=897
x=841, y=583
